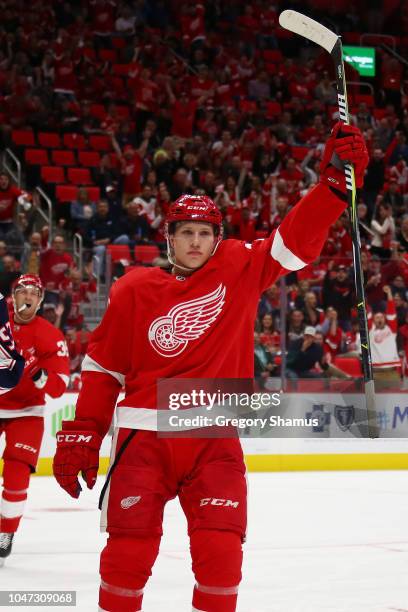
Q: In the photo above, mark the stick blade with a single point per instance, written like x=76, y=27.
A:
x=308, y=28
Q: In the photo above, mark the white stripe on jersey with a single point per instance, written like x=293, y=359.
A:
x=90, y=365
x=283, y=255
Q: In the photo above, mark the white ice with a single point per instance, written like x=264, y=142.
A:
x=329, y=541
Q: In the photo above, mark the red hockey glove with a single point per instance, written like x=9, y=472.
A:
x=345, y=145
x=78, y=447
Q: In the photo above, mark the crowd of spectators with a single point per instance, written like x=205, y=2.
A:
x=212, y=98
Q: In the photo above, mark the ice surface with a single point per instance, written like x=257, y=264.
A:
x=328, y=541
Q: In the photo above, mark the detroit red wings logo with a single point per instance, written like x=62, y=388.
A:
x=170, y=334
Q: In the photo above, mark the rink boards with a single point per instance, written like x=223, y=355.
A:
x=270, y=451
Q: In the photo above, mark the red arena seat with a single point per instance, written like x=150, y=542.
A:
x=118, y=252
x=53, y=174
x=50, y=140
x=79, y=176
x=36, y=157
x=23, y=138
x=66, y=193
x=74, y=141
x=94, y=193
x=100, y=142
x=350, y=365
x=63, y=158
x=90, y=159
x=146, y=253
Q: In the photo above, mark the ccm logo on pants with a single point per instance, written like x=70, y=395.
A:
x=25, y=447
x=213, y=501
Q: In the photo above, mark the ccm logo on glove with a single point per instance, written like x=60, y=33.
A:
x=73, y=437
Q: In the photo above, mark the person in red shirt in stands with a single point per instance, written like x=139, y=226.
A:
x=131, y=161
x=183, y=112
x=77, y=290
x=54, y=265
x=333, y=334
x=10, y=196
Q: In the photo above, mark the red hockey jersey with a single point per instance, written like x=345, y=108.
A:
x=158, y=325
x=43, y=347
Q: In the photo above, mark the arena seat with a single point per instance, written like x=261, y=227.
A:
x=50, y=140
x=74, y=141
x=100, y=142
x=61, y=157
x=36, y=157
x=79, y=176
x=53, y=174
x=23, y=138
x=94, y=193
x=350, y=365
x=118, y=252
x=89, y=159
x=66, y=193
x=146, y=253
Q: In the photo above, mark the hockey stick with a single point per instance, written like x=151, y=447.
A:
x=322, y=36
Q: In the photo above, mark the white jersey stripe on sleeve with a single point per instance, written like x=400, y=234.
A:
x=283, y=255
x=90, y=365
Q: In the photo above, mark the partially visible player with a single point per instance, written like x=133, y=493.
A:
x=197, y=322
x=21, y=409
x=11, y=362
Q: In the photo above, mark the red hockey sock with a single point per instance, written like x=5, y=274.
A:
x=217, y=560
x=16, y=478
x=126, y=565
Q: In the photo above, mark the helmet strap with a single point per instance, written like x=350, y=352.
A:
x=170, y=253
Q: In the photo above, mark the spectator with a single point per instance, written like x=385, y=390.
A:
x=337, y=292
x=81, y=211
x=374, y=179
x=131, y=161
x=30, y=261
x=99, y=232
x=374, y=282
x=8, y=274
x=332, y=333
x=296, y=326
x=303, y=356
x=383, y=341
x=268, y=336
x=312, y=314
x=264, y=363
x=132, y=227
x=402, y=235
x=383, y=227
x=55, y=263
x=74, y=292
x=10, y=195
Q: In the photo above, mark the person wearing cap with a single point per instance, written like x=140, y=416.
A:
x=195, y=322
x=303, y=356
x=22, y=408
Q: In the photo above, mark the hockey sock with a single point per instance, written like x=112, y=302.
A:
x=16, y=478
x=126, y=565
x=217, y=561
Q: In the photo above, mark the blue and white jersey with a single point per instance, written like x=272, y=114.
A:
x=11, y=362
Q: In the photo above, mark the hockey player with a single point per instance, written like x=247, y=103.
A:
x=194, y=323
x=21, y=409
x=11, y=362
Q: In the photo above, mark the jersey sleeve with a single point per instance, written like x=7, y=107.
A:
x=391, y=316
x=11, y=362
x=298, y=240
x=53, y=357
x=108, y=360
